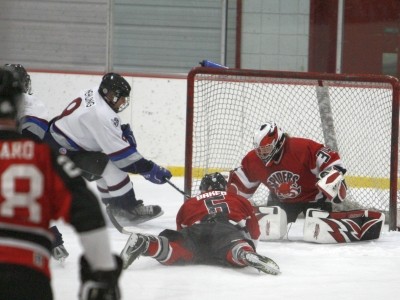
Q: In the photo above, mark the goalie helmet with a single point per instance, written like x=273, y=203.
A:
x=22, y=75
x=213, y=182
x=112, y=87
x=268, y=142
x=10, y=94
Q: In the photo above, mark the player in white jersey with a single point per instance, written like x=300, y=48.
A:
x=90, y=131
x=33, y=123
x=33, y=117
x=37, y=187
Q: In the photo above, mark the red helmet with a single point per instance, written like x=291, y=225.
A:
x=268, y=142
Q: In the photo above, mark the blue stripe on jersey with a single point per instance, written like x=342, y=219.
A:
x=124, y=153
x=37, y=121
x=126, y=159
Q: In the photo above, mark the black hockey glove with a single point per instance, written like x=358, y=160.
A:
x=128, y=134
x=99, y=285
x=157, y=174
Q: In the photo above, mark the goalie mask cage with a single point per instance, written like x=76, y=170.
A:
x=358, y=115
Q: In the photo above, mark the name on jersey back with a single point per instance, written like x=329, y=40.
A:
x=210, y=194
x=17, y=150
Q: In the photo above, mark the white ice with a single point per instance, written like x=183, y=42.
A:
x=364, y=270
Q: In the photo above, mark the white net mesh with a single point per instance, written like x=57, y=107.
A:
x=353, y=116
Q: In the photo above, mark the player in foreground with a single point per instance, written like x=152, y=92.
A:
x=213, y=228
x=302, y=175
x=90, y=132
x=33, y=123
x=36, y=187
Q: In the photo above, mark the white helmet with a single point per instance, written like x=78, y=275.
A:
x=268, y=141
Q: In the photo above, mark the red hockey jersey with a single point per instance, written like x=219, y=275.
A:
x=293, y=179
x=36, y=186
x=237, y=208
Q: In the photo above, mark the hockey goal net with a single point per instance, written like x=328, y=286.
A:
x=355, y=114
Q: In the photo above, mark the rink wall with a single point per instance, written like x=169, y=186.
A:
x=157, y=112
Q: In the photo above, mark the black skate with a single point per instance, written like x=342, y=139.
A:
x=59, y=253
x=261, y=263
x=135, y=246
x=58, y=250
x=139, y=214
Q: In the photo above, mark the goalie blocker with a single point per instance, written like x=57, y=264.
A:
x=342, y=227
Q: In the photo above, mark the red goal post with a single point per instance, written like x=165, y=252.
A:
x=358, y=115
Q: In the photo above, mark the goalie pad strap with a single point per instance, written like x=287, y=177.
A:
x=342, y=227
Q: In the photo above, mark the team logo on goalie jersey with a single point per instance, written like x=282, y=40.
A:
x=284, y=184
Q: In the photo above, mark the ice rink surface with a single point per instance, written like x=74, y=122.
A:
x=365, y=270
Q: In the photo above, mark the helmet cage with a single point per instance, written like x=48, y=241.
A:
x=268, y=142
x=114, y=97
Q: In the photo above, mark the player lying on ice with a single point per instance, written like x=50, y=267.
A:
x=214, y=227
x=302, y=175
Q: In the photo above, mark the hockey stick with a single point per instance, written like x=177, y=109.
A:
x=115, y=222
x=176, y=188
x=123, y=224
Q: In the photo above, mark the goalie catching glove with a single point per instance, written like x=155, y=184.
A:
x=332, y=185
x=99, y=285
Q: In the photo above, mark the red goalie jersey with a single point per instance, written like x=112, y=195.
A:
x=292, y=178
x=237, y=208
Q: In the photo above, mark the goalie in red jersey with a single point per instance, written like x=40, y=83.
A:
x=214, y=227
x=302, y=175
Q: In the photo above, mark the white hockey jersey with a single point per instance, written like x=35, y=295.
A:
x=33, y=117
x=89, y=124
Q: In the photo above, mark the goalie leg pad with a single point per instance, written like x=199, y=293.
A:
x=342, y=227
x=272, y=221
